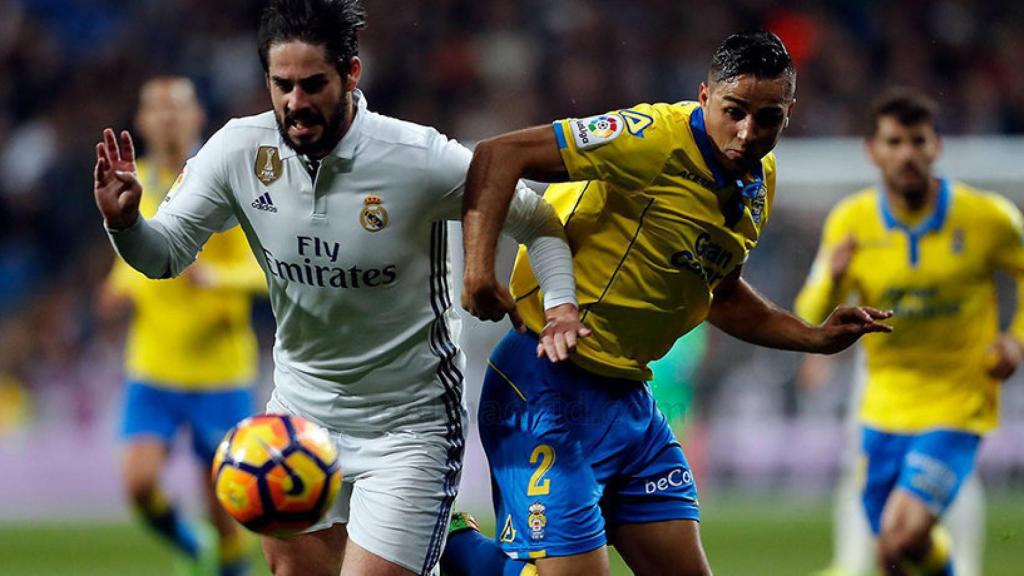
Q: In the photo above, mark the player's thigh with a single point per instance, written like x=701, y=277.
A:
x=669, y=548
x=142, y=460
x=402, y=495
x=361, y=562
x=150, y=417
x=212, y=414
x=593, y=563
x=533, y=427
x=932, y=472
x=907, y=520
x=882, y=463
x=319, y=553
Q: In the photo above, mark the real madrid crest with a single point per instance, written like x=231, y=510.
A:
x=373, y=216
x=268, y=164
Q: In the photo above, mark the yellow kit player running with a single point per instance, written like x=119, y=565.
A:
x=191, y=353
x=928, y=248
x=662, y=205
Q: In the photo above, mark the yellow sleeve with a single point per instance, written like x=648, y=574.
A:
x=628, y=148
x=238, y=272
x=1009, y=254
x=819, y=294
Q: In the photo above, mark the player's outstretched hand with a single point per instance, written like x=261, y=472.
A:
x=115, y=184
x=846, y=324
x=560, y=334
x=488, y=299
x=1005, y=356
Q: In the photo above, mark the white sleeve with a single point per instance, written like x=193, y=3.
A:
x=533, y=222
x=449, y=163
x=195, y=208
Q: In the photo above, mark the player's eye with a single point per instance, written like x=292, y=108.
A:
x=313, y=85
x=735, y=113
x=283, y=85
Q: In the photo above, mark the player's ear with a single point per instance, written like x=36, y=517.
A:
x=869, y=149
x=355, y=71
x=789, y=113
x=703, y=94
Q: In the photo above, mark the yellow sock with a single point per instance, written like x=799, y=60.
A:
x=529, y=570
x=937, y=561
x=233, y=547
x=156, y=504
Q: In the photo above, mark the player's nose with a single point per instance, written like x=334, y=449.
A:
x=298, y=99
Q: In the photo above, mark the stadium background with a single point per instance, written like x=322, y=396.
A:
x=766, y=449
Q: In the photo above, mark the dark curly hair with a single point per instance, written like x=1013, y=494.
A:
x=333, y=24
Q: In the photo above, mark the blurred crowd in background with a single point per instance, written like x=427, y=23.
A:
x=472, y=68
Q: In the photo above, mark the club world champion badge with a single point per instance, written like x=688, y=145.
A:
x=268, y=165
x=373, y=216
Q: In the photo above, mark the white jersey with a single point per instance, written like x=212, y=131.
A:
x=356, y=259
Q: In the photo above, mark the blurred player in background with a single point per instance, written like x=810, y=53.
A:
x=928, y=248
x=853, y=546
x=663, y=204
x=347, y=212
x=191, y=354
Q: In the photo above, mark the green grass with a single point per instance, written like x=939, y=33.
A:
x=762, y=537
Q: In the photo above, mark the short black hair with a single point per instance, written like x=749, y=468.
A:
x=909, y=107
x=761, y=54
x=333, y=24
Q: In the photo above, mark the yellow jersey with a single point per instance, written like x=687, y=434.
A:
x=654, y=225
x=183, y=336
x=937, y=275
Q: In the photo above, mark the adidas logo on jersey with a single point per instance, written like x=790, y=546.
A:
x=264, y=203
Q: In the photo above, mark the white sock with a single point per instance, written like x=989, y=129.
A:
x=965, y=522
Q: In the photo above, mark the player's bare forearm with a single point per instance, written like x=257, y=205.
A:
x=740, y=311
x=743, y=313
x=498, y=163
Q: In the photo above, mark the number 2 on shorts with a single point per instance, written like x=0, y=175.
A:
x=546, y=455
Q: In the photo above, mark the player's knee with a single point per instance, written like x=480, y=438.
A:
x=142, y=488
x=901, y=542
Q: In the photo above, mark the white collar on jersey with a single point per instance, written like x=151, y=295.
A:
x=346, y=147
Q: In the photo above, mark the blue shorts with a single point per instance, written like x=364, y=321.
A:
x=932, y=466
x=153, y=411
x=572, y=452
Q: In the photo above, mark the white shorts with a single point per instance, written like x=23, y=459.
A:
x=397, y=491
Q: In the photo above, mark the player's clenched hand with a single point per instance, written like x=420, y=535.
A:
x=845, y=325
x=115, y=185
x=1005, y=356
x=560, y=334
x=487, y=299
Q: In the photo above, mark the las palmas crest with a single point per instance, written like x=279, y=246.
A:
x=373, y=216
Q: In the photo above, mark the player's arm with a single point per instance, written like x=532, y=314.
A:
x=531, y=221
x=114, y=296
x=498, y=164
x=1007, y=352
x=828, y=282
x=742, y=312
x=239, y=272
x=165, y=245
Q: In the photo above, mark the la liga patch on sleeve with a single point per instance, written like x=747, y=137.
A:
x=596, y=131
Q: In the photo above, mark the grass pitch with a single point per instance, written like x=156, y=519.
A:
x=743, y=536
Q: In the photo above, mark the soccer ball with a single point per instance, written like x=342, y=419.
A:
x=276, y=474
